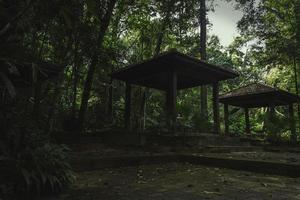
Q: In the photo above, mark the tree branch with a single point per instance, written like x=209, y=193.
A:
x=16, y=18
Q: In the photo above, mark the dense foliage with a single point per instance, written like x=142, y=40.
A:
x=31, y=165
x=92, y=38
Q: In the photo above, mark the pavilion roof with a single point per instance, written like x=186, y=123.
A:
x=191, y=72
x=21, y=71
x=16, y=62
x=258, y=95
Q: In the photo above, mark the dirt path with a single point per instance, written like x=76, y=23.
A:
x=180, y=181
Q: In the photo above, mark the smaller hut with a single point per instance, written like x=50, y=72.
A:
x=258, y=95
x=19, y=76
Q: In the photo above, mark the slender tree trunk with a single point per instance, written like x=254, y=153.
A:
x=161, y=33
x=37, y=83
x=54, y=101
x=297, y=55
x=165, y=23
x=94, y=61
x=159, y=41
x=203, y=23
x=75, y=79
x=37, y=94
x=296, y=84
x=75, y=83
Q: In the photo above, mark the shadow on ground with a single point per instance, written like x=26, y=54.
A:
x=180, y=181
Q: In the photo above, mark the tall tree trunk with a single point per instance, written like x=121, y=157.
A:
x=75, y=84
x=161, y=33
x=94, y=61
x=75, y=79
x=296, y=83
x=54, y=104
x=37, y=83
x=165, y=23
x=297, y=54
x=159, y=41
x=203, y=23
x=37, y=94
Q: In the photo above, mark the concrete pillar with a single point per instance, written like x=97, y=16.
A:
x=216, y=109
x=226, y=119
x=127, y=115
x=171, y=100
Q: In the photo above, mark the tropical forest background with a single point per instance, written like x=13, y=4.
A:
x=90, y=39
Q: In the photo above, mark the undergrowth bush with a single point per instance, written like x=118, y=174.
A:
x=275, y=127
x=31, y=165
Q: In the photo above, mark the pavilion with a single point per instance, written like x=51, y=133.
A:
x=21, y=72
x=170, y=72
x=18, y=74
x=259, y=95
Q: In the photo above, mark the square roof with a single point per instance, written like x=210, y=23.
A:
x=191, y=72
x=258, y=95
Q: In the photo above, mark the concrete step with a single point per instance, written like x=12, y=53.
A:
x=265, y=167
x=229, y=149
x=196, y=140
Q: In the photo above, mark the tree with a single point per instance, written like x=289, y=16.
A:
x=274, y=25
x=168, y=7
x=203, y=24
x=94, y=60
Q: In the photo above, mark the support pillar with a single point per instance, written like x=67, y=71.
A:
x=226, y=119
x=171, y=101
x=272, y=112
x=110, y=101
x=127, y=115
x=292, y=123
x=216, y=109
x=247, y=121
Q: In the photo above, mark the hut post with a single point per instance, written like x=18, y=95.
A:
x=127, y=115
x=110, y=101
x=216, y=110
x=292, y=123
x=171, y=100
x=272, y=112
x=247, y=121
x=226, y=119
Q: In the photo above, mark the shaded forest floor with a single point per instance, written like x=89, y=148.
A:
x=180, y=181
